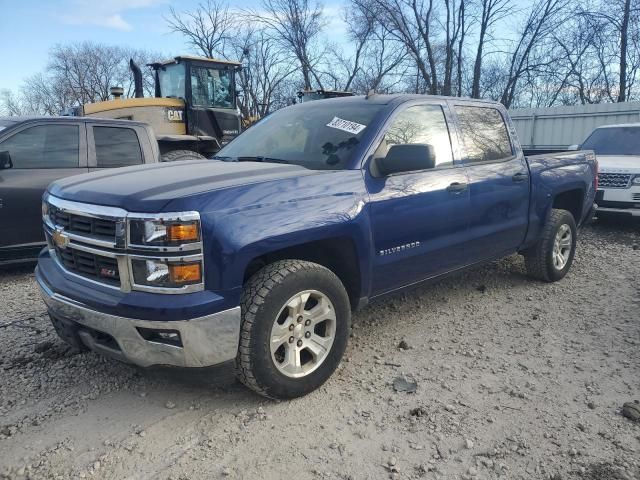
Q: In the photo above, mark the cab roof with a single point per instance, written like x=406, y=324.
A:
x=387, y=99
x=194, y=58
x=15, y=121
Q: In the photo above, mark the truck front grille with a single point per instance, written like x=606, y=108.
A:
x=92, y=241
x=614, y=180
x=83, y=225
x=89, y=265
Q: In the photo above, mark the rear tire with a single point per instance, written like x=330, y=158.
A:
x=295, y=326
x=552, y=257
x=177, y=155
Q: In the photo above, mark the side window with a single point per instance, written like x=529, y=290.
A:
x=116, y=147
x=44, y=146
x=484, y=134
x=424, y=124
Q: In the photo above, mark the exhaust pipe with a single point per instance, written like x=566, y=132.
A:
x=117, y=92
x=137, y=78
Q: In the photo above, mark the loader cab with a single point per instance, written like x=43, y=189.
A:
x=208, y=89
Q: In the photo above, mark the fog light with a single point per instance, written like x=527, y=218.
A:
x=168, y=337
x=185, y=272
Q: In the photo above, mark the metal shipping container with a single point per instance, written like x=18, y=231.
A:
x=552, y=129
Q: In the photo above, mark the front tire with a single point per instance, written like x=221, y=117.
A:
x=552, y=257
x=295, y=326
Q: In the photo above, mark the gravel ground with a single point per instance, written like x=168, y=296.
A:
x=515, y=379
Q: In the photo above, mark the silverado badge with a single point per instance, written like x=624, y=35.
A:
x=60, y=239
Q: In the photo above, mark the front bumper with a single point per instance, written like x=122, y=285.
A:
x=200, y=342
x=631, y=212
x=619, y=201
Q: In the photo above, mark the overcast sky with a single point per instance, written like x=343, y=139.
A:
x=29, y=28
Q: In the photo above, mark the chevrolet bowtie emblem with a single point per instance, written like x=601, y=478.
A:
x=60, y=239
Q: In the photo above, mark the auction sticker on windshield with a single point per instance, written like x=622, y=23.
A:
x=346, y=125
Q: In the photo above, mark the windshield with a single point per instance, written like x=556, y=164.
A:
x=318, y=135
x=172, y=81
x=614, y=141
x=211, y=87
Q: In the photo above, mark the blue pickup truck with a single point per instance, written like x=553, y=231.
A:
x=259, y=257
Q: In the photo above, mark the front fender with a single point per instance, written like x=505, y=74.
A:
x=273, y=217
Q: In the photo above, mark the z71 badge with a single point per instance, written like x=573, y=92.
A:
x=174, y=114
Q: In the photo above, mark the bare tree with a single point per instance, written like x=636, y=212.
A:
x=10, y=103
x=266, y=68
x=492, y=11
x=542, y=19
x=207, y=29
x=296, y=25
x=82, y=73
x=360, y=30
x=618, y=25
x=409, y=22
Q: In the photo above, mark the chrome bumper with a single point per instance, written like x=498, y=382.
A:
x=205, y=341
x=633, y=212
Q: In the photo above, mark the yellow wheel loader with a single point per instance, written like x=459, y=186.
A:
x=194, y=111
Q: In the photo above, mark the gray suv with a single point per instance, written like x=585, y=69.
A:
x=36, y=151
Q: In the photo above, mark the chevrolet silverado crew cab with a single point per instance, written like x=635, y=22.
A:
x=618, y=151
x=259, y=257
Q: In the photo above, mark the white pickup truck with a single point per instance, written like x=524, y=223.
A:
x=617, y=148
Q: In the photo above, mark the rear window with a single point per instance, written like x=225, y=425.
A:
x=614, y=141
x=484, y=134
x=116, y=147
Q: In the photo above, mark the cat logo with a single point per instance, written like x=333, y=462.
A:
x=174, y=115
x=60, y=239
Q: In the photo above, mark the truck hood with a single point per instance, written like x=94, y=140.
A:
x=148, y=188
x=619, y=163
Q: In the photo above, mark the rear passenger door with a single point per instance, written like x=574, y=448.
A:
x=113, y=146
x=498, y=181
x=40, y=153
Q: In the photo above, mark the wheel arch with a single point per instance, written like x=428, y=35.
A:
x=571, y=200
x=339, y=254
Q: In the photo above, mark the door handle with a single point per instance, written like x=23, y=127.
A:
x=457, y=187
x=520, y=177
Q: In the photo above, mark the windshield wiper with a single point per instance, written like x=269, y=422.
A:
x=260, y=159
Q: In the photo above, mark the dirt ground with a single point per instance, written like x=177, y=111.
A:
x=515, y=379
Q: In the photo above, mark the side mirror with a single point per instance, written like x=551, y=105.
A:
x=5, y=160
x=575, y=146
x=406, y=158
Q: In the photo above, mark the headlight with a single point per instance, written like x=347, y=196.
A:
x=636, y=180
x=163, y=232
x=158, y=273
x=45, y=209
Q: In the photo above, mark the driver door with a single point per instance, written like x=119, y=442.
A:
x=419, y=218
x=40, y=153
